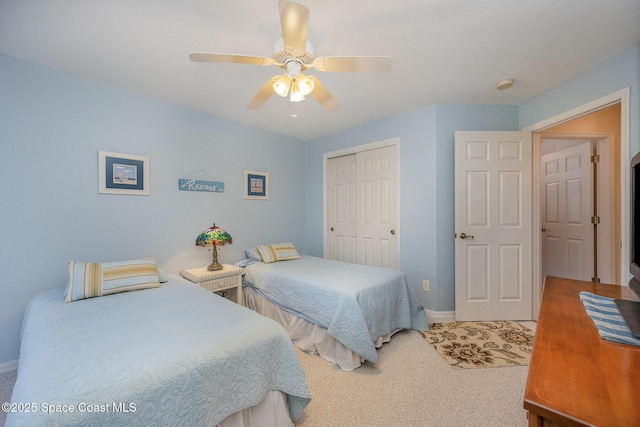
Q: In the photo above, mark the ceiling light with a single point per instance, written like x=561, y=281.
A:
x=305, y=84
x=505, y=84
x=293, y=83
x=296, y=93
x=281, y=86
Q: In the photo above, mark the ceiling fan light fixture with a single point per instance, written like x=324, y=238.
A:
x=281, y=86
x=304, y=84
x=296, y=94
x=294, y=53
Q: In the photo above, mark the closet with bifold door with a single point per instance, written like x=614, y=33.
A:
x=362, y=199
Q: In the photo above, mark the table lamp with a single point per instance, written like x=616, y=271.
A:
x=214, y=236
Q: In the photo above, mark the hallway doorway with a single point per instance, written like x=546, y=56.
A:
x=577, y=204
x=578, y=121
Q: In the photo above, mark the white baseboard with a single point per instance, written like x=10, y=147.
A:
x=9, y=366
x=440, y=316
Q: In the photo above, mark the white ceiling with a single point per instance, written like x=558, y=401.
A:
x=443, y=51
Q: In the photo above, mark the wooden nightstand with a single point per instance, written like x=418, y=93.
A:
x=227, y=279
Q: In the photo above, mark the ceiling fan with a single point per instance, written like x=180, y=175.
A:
x=294, y=54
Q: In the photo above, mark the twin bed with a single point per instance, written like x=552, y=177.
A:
x=338, y=310
x=173, y=354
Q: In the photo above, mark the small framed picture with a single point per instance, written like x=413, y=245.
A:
x=256, y=185
x=120, y=173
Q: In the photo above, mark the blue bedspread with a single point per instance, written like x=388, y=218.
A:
x=355, y=303
x=172, y=356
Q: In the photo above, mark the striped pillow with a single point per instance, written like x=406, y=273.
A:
x=93, y=279
x=279, y=252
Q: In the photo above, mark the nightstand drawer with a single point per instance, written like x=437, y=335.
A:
x=229, y=278
x=224, y=282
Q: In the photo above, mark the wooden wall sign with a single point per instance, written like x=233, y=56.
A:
x=196, y=185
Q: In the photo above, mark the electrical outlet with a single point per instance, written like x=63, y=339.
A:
x=425, y=285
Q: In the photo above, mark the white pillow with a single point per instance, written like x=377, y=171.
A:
x=279, y=252
x=93, y=279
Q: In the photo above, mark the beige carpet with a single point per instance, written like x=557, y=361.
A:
x=481, y=344
x=411, y=386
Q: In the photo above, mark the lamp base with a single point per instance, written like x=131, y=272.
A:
x=214, y=266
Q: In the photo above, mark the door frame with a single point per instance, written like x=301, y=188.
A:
x=395, y=141
x=622, y=97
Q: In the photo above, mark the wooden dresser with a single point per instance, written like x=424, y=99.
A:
x=575, y=377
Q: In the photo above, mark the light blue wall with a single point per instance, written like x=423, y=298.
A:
x=52, y=125
x=426, y=187
x=609, y=77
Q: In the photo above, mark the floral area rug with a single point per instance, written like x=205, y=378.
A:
x=481, y=344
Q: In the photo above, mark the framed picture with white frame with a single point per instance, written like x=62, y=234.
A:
x=256, y=185
x=120, y=173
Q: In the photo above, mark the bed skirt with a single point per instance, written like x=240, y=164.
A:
x=271, y=412
x=307, y=336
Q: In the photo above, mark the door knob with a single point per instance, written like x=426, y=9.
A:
x=393, y=232
x=331, y=228
x=465, y=236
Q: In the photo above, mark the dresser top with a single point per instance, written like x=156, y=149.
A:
x=576, y=377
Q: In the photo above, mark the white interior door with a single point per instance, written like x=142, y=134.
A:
x=376, y=207
x=567, y=231
x=493, y=222
x=341, y=205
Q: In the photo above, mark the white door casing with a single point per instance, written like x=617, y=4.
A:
x=567, y=231
x=493, y=182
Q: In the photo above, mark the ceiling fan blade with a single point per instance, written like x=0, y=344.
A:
x=230, y=58
x=294, y=20
x=263, y=95
x=361, y=64
x=323, y=96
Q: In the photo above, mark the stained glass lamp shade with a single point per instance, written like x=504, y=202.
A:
x=214, y=236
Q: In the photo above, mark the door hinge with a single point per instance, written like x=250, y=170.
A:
x=595, y=220
x=595, y=158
